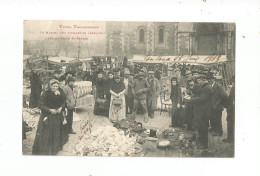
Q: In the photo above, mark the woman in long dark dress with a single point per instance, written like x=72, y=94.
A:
x=36, y=89
x=176, y=99
x=48, y=139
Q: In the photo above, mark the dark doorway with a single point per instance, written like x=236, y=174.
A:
x=207, y=38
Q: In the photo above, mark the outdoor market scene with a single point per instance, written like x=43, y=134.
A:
x=138, y=102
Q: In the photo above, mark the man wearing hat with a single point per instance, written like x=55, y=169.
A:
x=195, y=73
x=152, y=94
x=202, y=110
x=70, y=102
x=140, y=88
x=219, y=96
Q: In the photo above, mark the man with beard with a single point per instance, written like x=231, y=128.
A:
x=219, y=96
x=202, y=110
x=140, y=87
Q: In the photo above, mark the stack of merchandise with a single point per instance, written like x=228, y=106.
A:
x=82, y=93
x=106, y=141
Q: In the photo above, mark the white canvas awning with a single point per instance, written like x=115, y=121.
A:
x=86, y=59
x=198, y=59
x=58, y=59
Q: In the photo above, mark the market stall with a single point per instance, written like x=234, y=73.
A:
x=227, y=67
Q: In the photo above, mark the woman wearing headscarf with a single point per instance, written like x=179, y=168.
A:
x=36, y=89
x=117, y=109
x=176, y=99
x=48, y=139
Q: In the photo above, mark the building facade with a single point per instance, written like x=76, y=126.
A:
x=170, y=38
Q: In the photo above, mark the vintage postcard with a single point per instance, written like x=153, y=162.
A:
x=126, y=88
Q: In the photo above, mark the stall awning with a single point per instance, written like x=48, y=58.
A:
x=196, y=59
x=61, y=58
x=86, y=59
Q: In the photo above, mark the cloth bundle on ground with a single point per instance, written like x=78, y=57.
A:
x=132, y=125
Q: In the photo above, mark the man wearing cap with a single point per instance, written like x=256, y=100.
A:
x=218, y=98
x=70, y=102
x=140, y=88
x=195, y=73
x=202, y=110
x=152, y=94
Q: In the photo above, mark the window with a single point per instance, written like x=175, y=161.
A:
x=161, y=35
x=141, y=35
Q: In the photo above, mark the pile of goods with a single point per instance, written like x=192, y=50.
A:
x=31, y=117
x=107, y=141
x=129, y=125
x=82, y=93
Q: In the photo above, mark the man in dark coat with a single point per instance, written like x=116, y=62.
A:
x=230, y=105
x=219, y=96
x=202, y=110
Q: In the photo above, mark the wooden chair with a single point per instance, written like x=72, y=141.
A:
x=164, y=103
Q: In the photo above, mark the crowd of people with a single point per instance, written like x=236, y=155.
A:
x=123, y=92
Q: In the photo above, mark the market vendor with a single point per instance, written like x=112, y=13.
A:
x=218, y=98
x=140, y=88
x=117, y=109
x=48, y=139
x=202, y=110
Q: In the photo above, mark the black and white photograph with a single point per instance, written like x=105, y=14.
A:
x=129, y=89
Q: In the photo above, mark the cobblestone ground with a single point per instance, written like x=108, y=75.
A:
x=161, y=121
